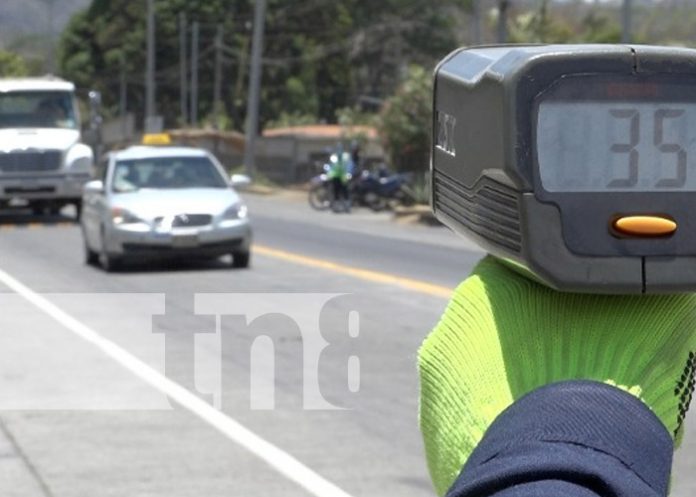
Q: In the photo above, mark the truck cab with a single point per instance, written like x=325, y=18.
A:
x=43, y=160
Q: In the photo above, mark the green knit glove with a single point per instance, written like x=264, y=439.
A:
x=503, y=336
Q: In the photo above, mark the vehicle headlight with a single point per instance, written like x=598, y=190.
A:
x=237, y=211
x=80, y=159
x=122, y=216
x=83, y=164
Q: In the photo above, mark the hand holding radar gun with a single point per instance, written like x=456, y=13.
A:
x=574, y=167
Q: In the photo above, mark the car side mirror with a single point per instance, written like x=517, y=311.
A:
x=94, y=186
x=240, y=181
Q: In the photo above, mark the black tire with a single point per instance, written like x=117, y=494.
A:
x=405, y=196
x=375, y=202
x=320, y=197
x=78, y=210
x=241, y=259
x=108, y=262
x=91, y=257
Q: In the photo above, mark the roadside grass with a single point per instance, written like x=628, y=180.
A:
x=419, y=189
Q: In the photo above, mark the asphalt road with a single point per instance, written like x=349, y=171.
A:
x=91, y=363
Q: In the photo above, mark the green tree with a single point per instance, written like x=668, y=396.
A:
x=405, y=122
x=12, y=64
x=109, y=38
x=597, y=28
x=539, y=26
x=319, y=56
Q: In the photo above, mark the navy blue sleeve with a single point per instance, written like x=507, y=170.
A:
x=572, y=439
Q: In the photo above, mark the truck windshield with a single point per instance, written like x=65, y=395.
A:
x=37, y=109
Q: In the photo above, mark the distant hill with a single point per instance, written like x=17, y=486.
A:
x=29, y=19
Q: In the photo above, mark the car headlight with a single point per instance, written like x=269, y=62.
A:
x=237, y=211
x=122, y=216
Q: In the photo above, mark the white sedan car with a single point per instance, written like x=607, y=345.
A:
x=155, y=202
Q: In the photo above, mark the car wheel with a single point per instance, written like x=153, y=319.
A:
x=78, y=211
x=241, y=259
x=108, y=262
x=91, y=257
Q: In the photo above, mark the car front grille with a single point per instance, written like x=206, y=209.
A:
x=191, y=220
x=223, y=246
x=34, y=160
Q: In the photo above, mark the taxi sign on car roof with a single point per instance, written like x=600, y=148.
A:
x=157, y=139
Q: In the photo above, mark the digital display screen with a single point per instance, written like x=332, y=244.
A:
x=604, y=145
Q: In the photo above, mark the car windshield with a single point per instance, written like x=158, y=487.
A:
x=166, y=173
x=37, y=109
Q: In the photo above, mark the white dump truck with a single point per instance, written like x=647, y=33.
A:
x=44, y=161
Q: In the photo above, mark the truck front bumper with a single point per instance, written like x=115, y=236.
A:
x=63, y=186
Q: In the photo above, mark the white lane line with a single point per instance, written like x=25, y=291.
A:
x=275, y=457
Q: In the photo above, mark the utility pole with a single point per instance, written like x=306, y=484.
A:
x=242, y=64
x=252, y=123
x=49, y=63
x=183, y=75
x=502, y=20
x=123, y=98
x=626, y=21
x=150, y=110
x=123, y=91
x=476, y=22
x=194, y=74
x=217, y=90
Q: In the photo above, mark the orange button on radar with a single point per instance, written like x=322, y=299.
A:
x=645, y=226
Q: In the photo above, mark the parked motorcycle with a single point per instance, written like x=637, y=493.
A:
x=375, y=190
x=320, y=191
x=381, y=190
x=324, y=193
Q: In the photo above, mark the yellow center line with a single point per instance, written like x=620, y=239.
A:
x=363, y=274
